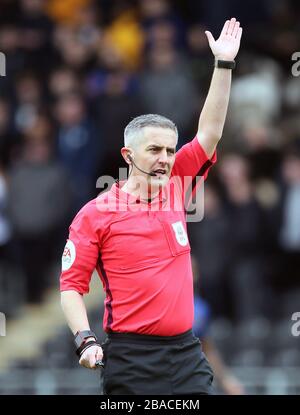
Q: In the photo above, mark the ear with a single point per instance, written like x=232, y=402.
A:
x=126, y=153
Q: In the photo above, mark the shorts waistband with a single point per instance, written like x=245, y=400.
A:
x=147, y=338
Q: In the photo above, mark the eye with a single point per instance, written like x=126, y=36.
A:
x=171, y=152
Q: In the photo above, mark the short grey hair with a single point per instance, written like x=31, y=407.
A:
x=132, y=132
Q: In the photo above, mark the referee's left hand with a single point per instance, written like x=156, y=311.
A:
x=90, y=356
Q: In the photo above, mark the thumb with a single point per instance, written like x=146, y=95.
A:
x=210, y=38
x=99, y=353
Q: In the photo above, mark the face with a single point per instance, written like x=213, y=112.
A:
x=70, y=110
x=155, y=154
x=291, y=169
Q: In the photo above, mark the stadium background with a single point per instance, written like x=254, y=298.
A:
x=76, y=72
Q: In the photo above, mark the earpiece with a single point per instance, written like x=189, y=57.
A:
x=129, y=157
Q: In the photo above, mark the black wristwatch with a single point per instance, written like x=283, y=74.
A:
x=224, y=64
x=81, y=336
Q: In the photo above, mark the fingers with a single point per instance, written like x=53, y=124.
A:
x=239, y=34
x=231, y=27
x=236, y=29
x=225, y=28
x=99, y=354
x=210, y=37
x=90, y=356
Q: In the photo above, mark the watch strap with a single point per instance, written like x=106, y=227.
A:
x=86, y=346
x=219, y=63
x=81, y=336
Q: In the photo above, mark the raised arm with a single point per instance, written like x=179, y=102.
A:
x=213, y=114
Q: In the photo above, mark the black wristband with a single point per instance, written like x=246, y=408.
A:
x=85, y=346
x=224, y=64
x=81, y=336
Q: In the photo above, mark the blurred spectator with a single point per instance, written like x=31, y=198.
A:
x=9, y=140
x=9, y=11
x=234, y=234
x=67, y=11
x=166, y=83
x=154, y=10
x=113, y=99
x=78, y=146
x=5, y=227
x=255, y=96
x=290, y=231
x=89, y=25
x=14, y=57
x=291, y=95
x=36, y=29
x=261, y=144
x=160, y=20
x=247, y=236
x=117, y=104
x=212, y=251
x=63, y=80
x=199, y=56
x=29, y=98
x=39, y=207
x=286, y=220
x=125, y=35
x=72, y=49
x=223, y=377
x=283, y=30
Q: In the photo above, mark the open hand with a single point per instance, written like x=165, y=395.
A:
x=228, y=44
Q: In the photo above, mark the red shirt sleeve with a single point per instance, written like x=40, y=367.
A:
x=190, y=169
x=191, y=160
x=81, y=252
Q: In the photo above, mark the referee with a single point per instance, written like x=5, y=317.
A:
x=135, y=236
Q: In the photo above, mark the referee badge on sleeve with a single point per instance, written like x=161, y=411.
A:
x=68, y=256
x=180, y=233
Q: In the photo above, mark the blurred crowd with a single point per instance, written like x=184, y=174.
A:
x=77, y=71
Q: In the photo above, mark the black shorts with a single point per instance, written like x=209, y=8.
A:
x=137, y=364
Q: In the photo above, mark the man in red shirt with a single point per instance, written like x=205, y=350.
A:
x=135, y=236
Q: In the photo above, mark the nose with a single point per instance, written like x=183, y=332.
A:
x=163, y=157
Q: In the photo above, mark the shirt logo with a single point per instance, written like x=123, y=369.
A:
x=180, y=233
x=68, y=256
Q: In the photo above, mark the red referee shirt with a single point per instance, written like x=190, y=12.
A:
x=141, y=252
